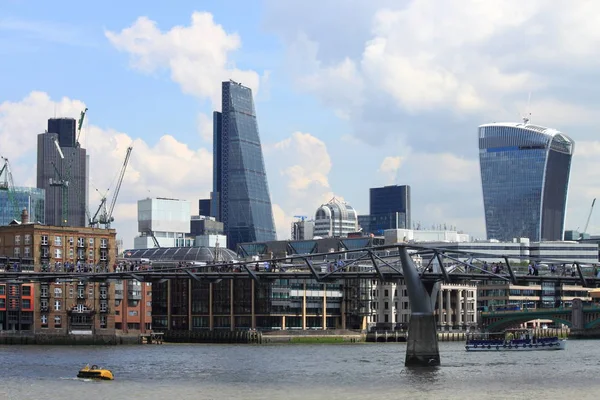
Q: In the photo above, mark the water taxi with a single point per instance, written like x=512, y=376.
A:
x=94, y=372
x=512, y=340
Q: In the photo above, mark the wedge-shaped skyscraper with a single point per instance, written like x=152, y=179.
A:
x=525, y=177
x=240, y=197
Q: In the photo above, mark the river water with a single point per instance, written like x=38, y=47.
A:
x=303, y=371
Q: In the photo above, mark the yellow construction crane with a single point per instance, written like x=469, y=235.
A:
x=81, y=117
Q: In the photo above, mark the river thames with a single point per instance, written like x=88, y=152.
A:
x=303, y=371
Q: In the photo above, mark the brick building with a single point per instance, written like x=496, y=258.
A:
x=57, y=308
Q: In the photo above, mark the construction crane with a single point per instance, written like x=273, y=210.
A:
x=7, y=184
x=62, y=181
x=104, y=213
x=587, y=223
x=79, y=125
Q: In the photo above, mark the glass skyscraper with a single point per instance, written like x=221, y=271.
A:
x=525, y=178
x=240, y=197
x=23, y=197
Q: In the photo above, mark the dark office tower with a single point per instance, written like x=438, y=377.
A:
x=240, y=189
x=525, y=178
x=62, y=173
x=389, y=208
x=65, y=129
x=204, y=207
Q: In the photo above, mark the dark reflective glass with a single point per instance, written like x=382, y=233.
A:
x=525, y=176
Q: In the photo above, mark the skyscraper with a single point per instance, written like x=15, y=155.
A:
x=525, y=178
x=63, y=171
x=12, y=205
x=240, y=197
x=389, y=208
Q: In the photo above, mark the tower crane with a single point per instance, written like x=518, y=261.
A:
x=104, y=213
x=587, y=223
x=7, y=184
x=79, y=125
x=62, y=181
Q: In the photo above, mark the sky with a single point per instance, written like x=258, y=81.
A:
x=349, y=94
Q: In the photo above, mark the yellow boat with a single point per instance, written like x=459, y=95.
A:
x=94, y=372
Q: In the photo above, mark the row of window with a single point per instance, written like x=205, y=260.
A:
x=58, y=241
x=58, y=253
x=58, y=321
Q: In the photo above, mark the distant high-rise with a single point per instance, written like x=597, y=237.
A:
x=28, y=198
x=525, y=177
x=389, y=208
x=68, y=167
x=240, y=197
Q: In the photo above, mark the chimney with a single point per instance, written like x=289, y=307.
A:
x=24, y=216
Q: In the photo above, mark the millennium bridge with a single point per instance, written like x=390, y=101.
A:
x=422, y=268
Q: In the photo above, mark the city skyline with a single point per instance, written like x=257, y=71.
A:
x=340, y=110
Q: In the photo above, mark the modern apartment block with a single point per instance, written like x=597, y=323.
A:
x=63, y=173
x=525, y=177
x=240, y=197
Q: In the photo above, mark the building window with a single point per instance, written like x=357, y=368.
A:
x=103, y=292
x=44, y=304
x=44, y=320
x=91, y=255
x=103, y=307
x=27, y=239
x=26, y=290
x=27, y=251
x=71, y=240
x=71, y=292
x=80, y=292
x=57, y=321
x=56, y=305
x=57, y=253
x=133, y=313
x=103, y=321
x=57, y=292
x=58, y=240
x=103, y=243
x=17, y=252
x=91, y=241
x=386, y=293
x=44, y=240
x=26, y=303
x=386, y=306
x=91, y=292
x=2, y=289
x=80, y=242
x=103, y=255
x=2, y=303
x=17, y=240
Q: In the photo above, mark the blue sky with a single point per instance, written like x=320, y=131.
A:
x=349, y=94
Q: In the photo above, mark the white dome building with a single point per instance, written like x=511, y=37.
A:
x=335, y=219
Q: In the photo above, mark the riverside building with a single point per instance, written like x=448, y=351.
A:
x=525, y=177
x=58, y=309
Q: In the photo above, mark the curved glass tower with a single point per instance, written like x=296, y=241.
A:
x=240, y=195
x=525, y=178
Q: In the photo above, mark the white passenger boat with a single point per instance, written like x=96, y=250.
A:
x=512, y=340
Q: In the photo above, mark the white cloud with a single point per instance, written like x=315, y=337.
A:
x=167, y=168
x=196, y=55
x=389, y=167
x=302, y=165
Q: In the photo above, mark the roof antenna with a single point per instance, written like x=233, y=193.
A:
x=528, y=112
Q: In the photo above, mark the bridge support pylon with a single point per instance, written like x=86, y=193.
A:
x=422, y=348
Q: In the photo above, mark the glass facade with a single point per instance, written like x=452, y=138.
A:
x=23, y=197
x=241, y=191
x=525, y=176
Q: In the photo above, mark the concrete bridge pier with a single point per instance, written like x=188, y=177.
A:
x=422, y=348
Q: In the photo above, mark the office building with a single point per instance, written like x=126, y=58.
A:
x=525, y=176
x=335, y=219
x=240, y=195
x=63, y=173
x=303, y=230
x=163, y=222
x=204, y=207
x=207, y=232
x=12, y=204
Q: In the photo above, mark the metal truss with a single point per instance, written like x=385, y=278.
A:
x=381, y=262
